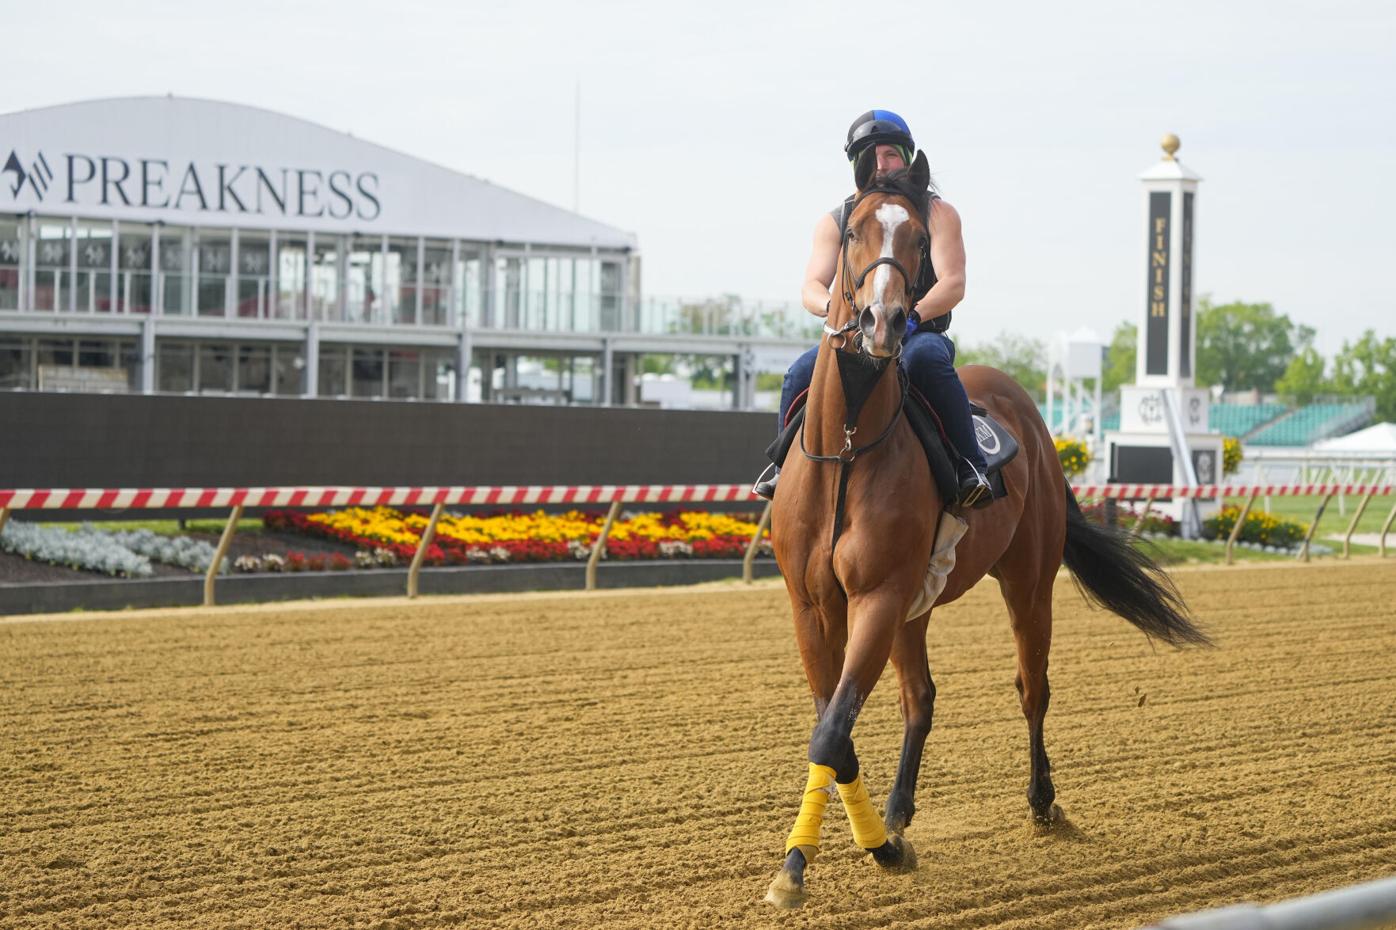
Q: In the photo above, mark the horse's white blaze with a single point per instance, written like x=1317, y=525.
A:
x=890, y=215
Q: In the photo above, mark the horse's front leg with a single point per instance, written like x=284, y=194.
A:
x=833, y=763
x=918, y=698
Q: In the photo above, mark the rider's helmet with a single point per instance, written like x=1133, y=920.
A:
x=879, y=127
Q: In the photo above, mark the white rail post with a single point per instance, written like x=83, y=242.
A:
x=1372, y=904
x=600, y=545
x=1139, y=520
x=1385, y=528
x=224, y=542
x=1347, y=539
x=1240, y=522
x=428, y=534
x=1313, y=527
x=751, y=547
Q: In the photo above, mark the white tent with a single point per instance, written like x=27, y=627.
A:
x=1378, y=439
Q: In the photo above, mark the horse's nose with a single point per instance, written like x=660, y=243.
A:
x=867, y=322
x=899, y=323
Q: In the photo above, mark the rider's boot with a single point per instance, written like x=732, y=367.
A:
x=974, y=487
x=766, y=486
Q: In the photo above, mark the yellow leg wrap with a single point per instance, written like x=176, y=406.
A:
x=805, y=833
x=868, y=831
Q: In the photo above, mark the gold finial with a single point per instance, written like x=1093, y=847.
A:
x=1170, y=145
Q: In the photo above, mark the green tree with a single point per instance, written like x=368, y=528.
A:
x=1120, y=358
x=1021, y=358
x=1303, y=380
x=1243, y=346
x=1368, y=367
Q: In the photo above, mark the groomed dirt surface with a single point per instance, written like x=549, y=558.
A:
x=635, y=760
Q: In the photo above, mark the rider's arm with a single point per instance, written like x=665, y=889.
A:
x=823, y=260
x=948, y=259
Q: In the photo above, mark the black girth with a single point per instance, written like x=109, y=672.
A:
x=859, y=375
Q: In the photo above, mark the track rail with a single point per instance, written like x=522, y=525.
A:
x=238, y=499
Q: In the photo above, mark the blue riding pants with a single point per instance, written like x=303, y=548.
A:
x=929, y=358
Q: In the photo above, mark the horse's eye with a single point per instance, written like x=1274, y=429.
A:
x=852, y=234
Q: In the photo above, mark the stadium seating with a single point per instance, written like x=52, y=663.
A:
x=1312, y=423
x=1239, y=419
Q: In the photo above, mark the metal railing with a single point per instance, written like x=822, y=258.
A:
x=1355, y=907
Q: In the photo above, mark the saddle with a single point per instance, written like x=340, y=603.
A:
x=995, y=441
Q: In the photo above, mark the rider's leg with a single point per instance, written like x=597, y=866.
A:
x=797, y=379
x=930, y=364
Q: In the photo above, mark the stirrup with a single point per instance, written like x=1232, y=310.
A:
x=977, y=494
x=764, y=487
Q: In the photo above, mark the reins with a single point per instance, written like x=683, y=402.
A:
x=859, y=378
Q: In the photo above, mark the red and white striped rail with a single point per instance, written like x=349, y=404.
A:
x=1209, y=491
x=512, y=495
x=501, y=496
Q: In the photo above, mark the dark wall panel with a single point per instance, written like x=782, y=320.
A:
x=75, y=440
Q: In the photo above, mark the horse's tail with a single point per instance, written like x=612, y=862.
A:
x=1115, y=575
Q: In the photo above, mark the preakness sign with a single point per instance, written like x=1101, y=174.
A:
x=206, y=163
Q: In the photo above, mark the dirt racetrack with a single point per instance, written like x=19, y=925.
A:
x=635, y=760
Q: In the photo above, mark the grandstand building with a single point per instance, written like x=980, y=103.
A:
x=163, y=244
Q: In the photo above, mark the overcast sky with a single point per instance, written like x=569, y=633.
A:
x=713, y=130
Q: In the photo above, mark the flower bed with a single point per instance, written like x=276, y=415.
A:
x=1262, y=528
x=526, y=537
x=1155, y=523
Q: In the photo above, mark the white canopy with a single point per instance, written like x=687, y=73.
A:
x=1378, y=439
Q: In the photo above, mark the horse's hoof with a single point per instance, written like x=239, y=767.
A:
x=1046, y=820
x=785, y=891
x=896, y=855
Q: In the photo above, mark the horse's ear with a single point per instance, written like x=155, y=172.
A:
x=865, y=168
x=920, y=172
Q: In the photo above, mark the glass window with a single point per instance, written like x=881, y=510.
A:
x=215, y=270
x=51, y=278
x=215, y=368
x=253, y=286
x=436, y=283
x=400, y=277
x=438, y=375
x=55, y=352
x=289, y=368
x=133, y=291
x=254, y=369
x=609, y=309
x=324, y=279
x=508, y=289
x=174, y=369
x=16, y=359
x=12, y=243
x=96, y=353
x=130, y=361
x=94, y=245
x=334, y=371
x=367, y=373
x=404, y=373
x=290, y=277
x=364, y=286
x=176, y=278
x=468, y=296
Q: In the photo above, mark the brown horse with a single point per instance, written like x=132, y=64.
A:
x=854, y=522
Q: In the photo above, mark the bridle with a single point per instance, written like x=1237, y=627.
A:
x=856, y=375
x=916, y=287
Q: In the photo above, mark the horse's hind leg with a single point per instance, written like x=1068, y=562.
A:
x=1030, y=608
x=918, y=698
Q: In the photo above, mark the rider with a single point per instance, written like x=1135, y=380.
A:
x=927, y=353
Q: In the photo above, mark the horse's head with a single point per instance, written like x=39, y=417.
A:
x=885, y=252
